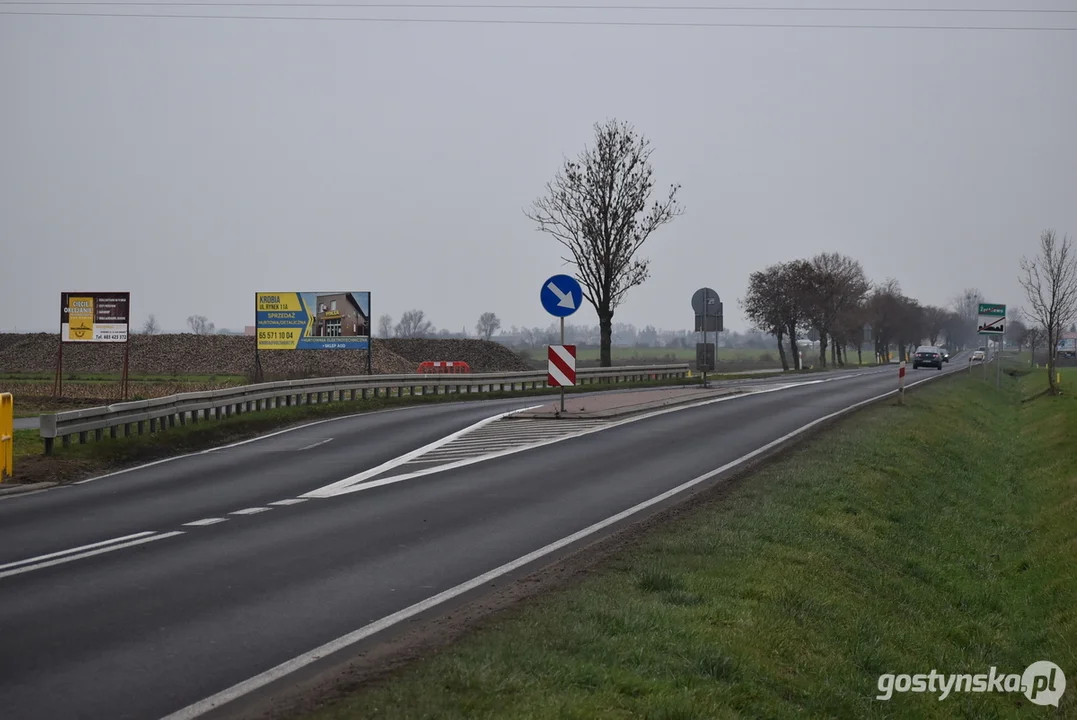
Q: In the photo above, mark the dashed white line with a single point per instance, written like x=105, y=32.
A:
x=91, y=553
x=290, y=501
x=250, y=511
x=204, y=522
x=314, y=445
x=300, y=661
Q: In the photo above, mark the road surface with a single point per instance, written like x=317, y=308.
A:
x=225, y=564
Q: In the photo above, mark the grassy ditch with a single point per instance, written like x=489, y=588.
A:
x=935, y=535
x=76, y=461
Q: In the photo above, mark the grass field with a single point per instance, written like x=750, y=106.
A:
x=938, y=535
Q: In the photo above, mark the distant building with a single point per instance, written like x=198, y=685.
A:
x=339, y=315
x=1067, y=344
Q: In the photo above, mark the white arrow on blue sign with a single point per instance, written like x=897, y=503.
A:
x=561, y=295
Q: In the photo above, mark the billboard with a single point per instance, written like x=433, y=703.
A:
x=95, y=317
x=312, y=320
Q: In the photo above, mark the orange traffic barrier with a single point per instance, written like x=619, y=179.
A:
x=442, y=367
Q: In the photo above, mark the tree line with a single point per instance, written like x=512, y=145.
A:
x=829, y=300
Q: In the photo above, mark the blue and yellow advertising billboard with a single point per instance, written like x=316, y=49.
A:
x=312, y=320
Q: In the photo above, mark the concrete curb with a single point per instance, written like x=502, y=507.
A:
x=6, y=489
x=627, y=409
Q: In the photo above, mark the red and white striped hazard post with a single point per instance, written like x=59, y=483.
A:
x=561, y=368
x=901, y=383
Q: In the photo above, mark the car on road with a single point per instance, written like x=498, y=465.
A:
x=945, y=354
x=977, y=356
x=927, y=356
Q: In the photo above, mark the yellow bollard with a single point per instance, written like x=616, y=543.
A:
x=7, y=435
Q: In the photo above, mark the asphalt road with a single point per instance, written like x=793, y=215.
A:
x=148, y=629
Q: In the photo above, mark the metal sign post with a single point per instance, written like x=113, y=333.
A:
x=991, y=321
x=562, y=342
x=708, y=310
x=561, y=296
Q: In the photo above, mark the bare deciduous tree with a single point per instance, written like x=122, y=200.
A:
x=771, y=304
x=934, y=323
x=1034, y=338
x=200, y=325
x=413, y=324
x=150, y=327
x=829, y=286
x=487, y=325
x=597, y=208
x=966, y=308
x=385, y=326
x=1050, y=283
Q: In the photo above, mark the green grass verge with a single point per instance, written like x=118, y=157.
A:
x=936, y=535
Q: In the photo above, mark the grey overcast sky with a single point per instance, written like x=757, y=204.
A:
x=195, y=162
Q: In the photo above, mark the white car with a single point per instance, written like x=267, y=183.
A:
x=977, y=356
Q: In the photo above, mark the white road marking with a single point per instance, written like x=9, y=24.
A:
x=286, y=668
x=291, y=501
x=362, y=481
x=396, y=462
x=314, y=445
x=304, y=426
x=204, y=522
x=250, y=511
x=91, y=553
x=73, y=550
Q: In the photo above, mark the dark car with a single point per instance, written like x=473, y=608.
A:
x=945, y=354
x=927, y=356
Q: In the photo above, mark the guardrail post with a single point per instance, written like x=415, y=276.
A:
x=98, y=435
x=66, y=441
x=127, y=429
x=48, y=445
x=113, y=431
x=153, y=425
x=141, y=427
x=82, y=437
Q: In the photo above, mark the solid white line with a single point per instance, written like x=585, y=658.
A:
x=69, y=558
x=261, y=680
x=69, y=551
x=258, y=439
x=396, y=462
x=350, y=485
x=205, y=522
x=250, y=511
x=292, y=501
x=314, y=445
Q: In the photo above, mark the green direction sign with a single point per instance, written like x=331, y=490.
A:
x=991, y=320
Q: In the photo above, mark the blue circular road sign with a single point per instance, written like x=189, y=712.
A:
x=561, y=295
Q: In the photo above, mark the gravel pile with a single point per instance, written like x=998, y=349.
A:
x=210, y=355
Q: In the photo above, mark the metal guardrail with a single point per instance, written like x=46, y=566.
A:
x=7, y=435
x=167, y=412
